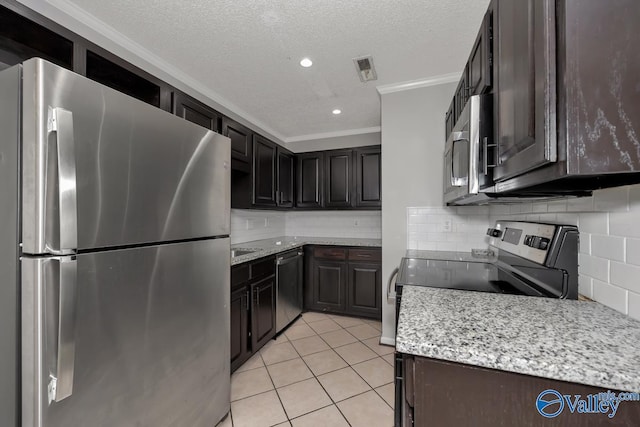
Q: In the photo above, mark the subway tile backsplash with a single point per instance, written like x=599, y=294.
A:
x=248, y=225
x=609, y=224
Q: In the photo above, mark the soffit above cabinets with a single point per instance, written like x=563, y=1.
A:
x=246, y=53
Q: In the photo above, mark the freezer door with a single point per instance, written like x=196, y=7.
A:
x=131, y=337
x=102, y=169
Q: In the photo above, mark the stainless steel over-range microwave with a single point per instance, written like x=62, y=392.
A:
x=468, y=154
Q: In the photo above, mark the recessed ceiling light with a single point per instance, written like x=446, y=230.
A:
x=336, y=111
x=306, y=62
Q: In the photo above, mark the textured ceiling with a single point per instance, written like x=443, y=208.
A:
x=248, y=51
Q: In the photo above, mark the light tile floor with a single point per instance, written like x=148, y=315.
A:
x=324, y=370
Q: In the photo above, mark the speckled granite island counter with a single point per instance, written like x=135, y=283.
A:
x=574, y=341
x=267, y=247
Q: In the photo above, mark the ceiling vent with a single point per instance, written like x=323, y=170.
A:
x=366, y=71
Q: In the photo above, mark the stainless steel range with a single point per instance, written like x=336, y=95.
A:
x=525, y=258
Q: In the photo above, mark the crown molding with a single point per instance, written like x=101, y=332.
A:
x=335, y=134
x=93, y=29
x=415, y=84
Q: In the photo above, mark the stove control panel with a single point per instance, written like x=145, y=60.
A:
x=528, y=240
x=536, y=242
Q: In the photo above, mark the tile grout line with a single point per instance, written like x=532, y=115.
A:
x=314, y=376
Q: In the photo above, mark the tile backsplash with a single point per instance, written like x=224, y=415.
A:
x=359, y=224
x=248, y=225
x=609, y=224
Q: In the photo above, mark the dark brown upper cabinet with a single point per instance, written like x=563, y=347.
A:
x=526, y=61
x=285, y=197
x=241, y=144
x=480, y=61
x=116, y=74
x=450, y=119
x=368, y=177
x=196, y=112
x=338, y=178
x=21, y=38
x=310, y=180
x=264, y=172
x=462, y=92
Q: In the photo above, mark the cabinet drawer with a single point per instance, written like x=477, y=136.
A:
x=240, y=274
x=365, y=255
x=265, y=267
x=330, y=253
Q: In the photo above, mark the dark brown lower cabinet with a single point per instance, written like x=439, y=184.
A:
x=329, y=285
x=240, y=346
x=439, y=393
x=364, y=288
x=253, y=308
x=343, y=280
x=263, y=312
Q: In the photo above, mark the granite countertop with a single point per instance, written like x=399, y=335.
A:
x=267, y=247
x=575, y=341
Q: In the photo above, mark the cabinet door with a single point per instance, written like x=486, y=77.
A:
x=263, y=312
x=338, y=178
x=22, y=39
x=240, y=350
x=368, y=177
x=462, y=92
x=196, y=112
x=449, y=119
x=264, y=172
x=112, y=71
x=480, y=59
x=285, y=195
x=241, y=144
x=310, y=177
x=526, y=126
x=329, y=285
x=364, y=289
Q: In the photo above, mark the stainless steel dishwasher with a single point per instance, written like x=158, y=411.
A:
x=288, y=287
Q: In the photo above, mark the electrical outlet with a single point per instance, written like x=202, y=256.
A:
x=355, y=222
x=249, y=224
x=266, y=222
x=446, y=226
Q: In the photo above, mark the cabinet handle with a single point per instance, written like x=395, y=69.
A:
x=485, y=148
x=248, y=299
x=258, y=296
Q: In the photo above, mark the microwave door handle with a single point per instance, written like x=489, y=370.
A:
x=61, y=123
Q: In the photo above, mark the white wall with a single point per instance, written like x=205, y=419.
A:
x=412, y=150
x=333, y=143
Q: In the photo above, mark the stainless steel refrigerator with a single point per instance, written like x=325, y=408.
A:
x=114, y=258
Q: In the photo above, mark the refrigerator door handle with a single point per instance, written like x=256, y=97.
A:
x=61, y=381
x=61, y=122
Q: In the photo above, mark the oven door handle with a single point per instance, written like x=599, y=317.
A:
x=393, y=274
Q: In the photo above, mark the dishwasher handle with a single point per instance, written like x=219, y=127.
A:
x=394, y=273
x=287, y=259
